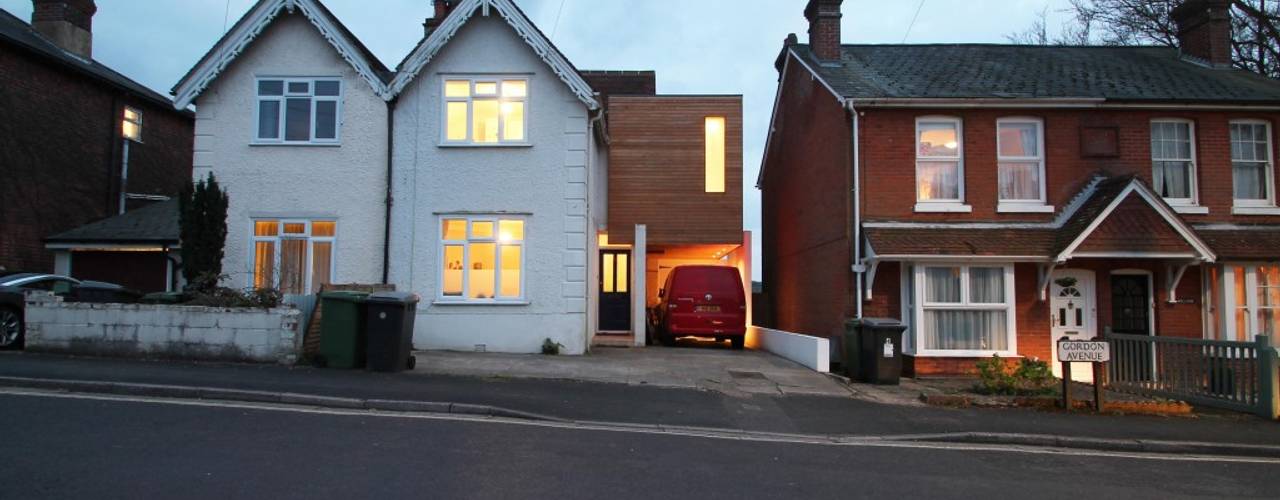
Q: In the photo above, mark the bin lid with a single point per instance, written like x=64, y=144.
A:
x=345, y=295
x=876, y=322
x=394, y=298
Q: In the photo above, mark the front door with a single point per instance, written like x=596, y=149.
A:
x=615, y=290
x=1072, y=313
x=1131, y=315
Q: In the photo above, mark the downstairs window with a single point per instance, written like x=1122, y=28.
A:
x=293, y=256
x=963, y=310
x=482, y=259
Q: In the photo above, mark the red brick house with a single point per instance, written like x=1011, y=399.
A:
x=996, y=197
x=69, y=125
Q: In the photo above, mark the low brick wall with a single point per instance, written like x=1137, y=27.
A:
x=162, y=331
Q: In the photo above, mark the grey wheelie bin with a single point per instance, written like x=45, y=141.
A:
x=390, y=331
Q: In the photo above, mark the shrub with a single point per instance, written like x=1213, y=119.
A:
x=205, y=291
x=551, y=347
x=202, y=221
x=1032, y=377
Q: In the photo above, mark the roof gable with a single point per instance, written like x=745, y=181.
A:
x=255, y=22
x=422, y=55
x=1125, y=217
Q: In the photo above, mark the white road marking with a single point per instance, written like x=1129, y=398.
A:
x=729, y=435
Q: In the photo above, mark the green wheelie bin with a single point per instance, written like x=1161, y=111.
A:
x=342, y=330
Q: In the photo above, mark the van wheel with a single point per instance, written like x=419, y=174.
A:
x=737, y=343
x=11, y=329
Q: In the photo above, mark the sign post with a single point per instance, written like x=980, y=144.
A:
x=1094, y=352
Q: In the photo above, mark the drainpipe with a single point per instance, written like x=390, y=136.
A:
x=124, y=174
x=859, y=269
x=386, y=228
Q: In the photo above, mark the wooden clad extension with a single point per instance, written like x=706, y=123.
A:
x=657, y=167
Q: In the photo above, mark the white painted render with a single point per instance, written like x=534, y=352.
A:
x=546, y=182
x=346, y=182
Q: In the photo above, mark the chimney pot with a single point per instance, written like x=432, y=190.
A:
x=1204, y=30
x=66, y=23
x=824, y=28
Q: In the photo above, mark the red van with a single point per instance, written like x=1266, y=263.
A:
x=702, y=301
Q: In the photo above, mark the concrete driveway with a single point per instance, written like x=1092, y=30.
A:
x=691, y=364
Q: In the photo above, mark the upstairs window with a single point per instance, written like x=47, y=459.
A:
x=482, y=111
x=939, y=161
x=1173, y=161
x=1251, y=170
x=131, y=126
x=715, y=131
x=298, y=111
x=1020, y=150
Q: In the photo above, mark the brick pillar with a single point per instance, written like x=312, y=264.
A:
x=824, y=28
x=1204, y=30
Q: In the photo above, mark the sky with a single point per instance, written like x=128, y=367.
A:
x=696, y=46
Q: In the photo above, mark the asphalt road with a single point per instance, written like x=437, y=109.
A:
x=58, y=447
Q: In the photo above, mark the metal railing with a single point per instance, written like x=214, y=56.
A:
x=1239, y=376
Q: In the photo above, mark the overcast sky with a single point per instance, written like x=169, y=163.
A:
x=696, y=46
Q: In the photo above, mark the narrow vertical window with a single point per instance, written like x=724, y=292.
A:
x=1251, y=168
x=1173, y=161
x=1020, y=152
x=939, y=161
x=715, y=133
x=131, y=128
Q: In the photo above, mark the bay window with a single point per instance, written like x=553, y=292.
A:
x=293, y=256
x=939, y=164
x=482, y=259
x=1173, y=161
x=298, y=111
x=485, y=111
x=1020, y=160
x=1251, y=168
x=1244, y=301
x=962, y=310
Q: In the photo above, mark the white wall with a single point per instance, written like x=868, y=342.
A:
x=547, y=180
x=345, y=182
x=812, y=352
x=182, y=332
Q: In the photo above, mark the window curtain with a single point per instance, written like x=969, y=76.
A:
x=293, y=259
x=1172, y=179
x=939, y=181
x=1020, y=181
x=986, y=285
x=1250, y=179
x=942, y=285
x=974, y=330
x=321, y=263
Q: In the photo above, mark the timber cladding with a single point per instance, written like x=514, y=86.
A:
x=657, y=169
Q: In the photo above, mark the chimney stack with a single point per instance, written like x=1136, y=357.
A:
x=66, y=23
x=443, y=8
x=1204, y=30
x=824, y=28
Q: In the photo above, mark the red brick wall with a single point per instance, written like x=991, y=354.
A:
x=806, y=211
x=888, y=152
x=60, y=150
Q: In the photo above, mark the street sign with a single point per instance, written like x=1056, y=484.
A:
x=1083, y=352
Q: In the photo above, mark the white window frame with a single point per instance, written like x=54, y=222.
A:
x=282, y=99
x=124, y=119
x=1227, y=313
x=1269, y=165
x=466, y=243
x=1180, y=205
x=280, y=236
x=921, y=305
x=1027, y=205
x=502, y=122
x=941, y=205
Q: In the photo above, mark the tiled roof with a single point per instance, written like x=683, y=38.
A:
x=1103, y=194
x=18, y=32
x=929, y=241
x=965, y=71
x=1243, y=243
x=155, y=223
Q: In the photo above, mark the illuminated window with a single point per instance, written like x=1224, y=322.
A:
x=939, y=161
x=482, y=259
x=131, y=127
x=1244, y=302
x=293, y=256
x=715, y=130
x=298, y=111
x=480, y=111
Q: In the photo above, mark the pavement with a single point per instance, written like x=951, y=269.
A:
x=75, y=447
x=621, y=404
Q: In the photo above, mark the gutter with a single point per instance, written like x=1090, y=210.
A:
x=1044, y=103
x=386, y=227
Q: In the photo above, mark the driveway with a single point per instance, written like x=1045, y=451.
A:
x=691, y=364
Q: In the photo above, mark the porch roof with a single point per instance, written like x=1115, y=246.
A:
x=1243, y=242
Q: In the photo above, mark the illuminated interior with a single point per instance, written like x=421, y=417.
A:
x=483, y=259
x=485, y=112
x=132, y=125
x=294, y=257
x=715, y=133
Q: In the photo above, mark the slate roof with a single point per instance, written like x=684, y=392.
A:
x=1243, y=243
x=956, y=71
x=990, y=242
x=1103, y=194
x=156, y=223
x=17, y=32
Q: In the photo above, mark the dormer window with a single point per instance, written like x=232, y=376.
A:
x=485, y=111
x=298, y=111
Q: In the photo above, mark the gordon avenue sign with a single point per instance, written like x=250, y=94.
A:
x=1070, y=351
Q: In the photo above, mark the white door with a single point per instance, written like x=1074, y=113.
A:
x=1073, y=314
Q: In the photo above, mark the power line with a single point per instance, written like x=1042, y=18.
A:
x=226, y=16
x=913, y=22
x=557, y=24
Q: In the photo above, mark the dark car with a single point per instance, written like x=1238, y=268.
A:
x=13, y=288
x=702, y=301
